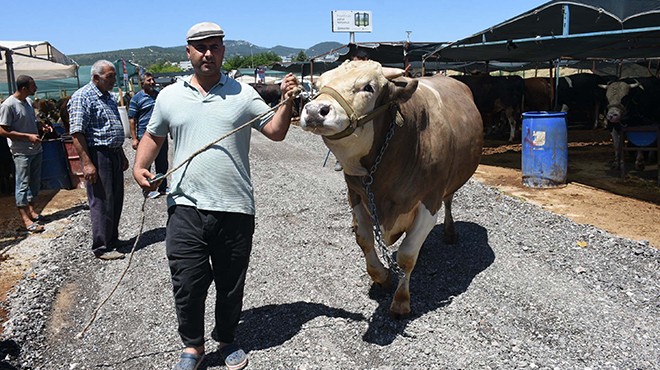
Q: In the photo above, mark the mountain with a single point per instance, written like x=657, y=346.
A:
x=149, y=55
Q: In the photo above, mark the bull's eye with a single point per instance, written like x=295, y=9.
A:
x=368, y=88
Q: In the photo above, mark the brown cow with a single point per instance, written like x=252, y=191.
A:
x=538, y=94
x=434, y=148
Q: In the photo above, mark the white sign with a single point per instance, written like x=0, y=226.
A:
x=351, y=21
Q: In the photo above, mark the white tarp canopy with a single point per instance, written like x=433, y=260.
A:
x=38, y=59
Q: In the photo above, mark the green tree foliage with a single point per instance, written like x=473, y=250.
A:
x=301, y=57
x=250, y=61
x=163, y=67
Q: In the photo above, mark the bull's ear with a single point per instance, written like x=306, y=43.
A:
x=403, y=88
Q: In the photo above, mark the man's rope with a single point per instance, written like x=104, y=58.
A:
x=137, y=239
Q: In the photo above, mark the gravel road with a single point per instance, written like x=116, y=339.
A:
x=524, y=288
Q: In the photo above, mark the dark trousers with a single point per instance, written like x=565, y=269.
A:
x=105, y=198
x=162, y=164
x=204, y=247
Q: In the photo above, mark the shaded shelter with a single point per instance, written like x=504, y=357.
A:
x=585, y=30
x=38, y=59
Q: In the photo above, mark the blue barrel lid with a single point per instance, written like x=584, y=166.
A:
x=533, y=114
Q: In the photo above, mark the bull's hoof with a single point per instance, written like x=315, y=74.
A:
x=398, y=316
x=400, y=310
x=639, y=166
x=615, y=165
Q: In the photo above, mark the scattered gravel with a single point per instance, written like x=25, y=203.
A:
x=524, y=288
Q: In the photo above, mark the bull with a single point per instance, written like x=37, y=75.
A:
x=406, y=145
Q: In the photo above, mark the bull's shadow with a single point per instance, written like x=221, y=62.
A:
x=288, y=318
x=442, y=272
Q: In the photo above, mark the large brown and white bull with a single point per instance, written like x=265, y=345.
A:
x=409, y=144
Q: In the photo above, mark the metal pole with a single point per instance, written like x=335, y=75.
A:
x=9, y=60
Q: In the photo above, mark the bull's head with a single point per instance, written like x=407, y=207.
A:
x=351, y=95
x=617, y=94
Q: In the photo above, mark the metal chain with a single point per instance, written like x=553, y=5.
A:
x=367, y=181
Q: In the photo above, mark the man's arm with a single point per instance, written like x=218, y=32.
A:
x=278, y=126
x=89, y=169
x=146, y=154
x=134, y=139
x=18, y=136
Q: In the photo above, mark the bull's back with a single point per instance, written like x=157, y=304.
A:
x=455, y=130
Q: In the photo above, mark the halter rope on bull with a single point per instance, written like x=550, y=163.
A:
x=296, y=93
x=368, y=180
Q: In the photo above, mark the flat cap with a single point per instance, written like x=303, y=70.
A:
x=204, y=30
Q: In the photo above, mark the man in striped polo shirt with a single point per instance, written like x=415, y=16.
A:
x=211, y=204
x=139, y=113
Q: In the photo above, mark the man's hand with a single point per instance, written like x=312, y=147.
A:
x=89, y=173
x=289, y=86
x=142, y=177
x=33, y=138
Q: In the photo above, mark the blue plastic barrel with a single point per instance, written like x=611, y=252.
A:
x=54, y=170
x=544, y=149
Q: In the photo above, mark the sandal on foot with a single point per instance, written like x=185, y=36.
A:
x=34, y=228
x=234, y=357
x=38, y=218
x=188, y=361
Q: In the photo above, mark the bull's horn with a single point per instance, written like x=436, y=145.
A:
x=392, y=73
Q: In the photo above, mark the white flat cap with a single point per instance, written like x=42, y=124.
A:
x=204, y=30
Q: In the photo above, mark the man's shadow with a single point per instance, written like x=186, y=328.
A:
x=442, y=272
x=288, y=318
x=147, y=238
x=8, y=348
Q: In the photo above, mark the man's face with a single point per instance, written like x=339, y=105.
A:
x=32, y=88
x=148, y=83
x=105, y=81
x=206, y=55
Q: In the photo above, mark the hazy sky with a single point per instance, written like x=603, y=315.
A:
x=79, y=26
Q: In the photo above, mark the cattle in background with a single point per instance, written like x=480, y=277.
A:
x=64, y=112
x=538, y=94
x=499, y=99
x=579, y=95
x=430, y=134
x=631, y=102
x=270, y=93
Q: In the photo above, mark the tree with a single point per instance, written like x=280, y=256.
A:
x=163, y=67
x=301, y=57
x=262, y=59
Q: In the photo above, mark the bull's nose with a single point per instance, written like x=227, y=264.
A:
x=317, y=110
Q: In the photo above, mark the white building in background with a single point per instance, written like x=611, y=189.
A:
x=185, y=65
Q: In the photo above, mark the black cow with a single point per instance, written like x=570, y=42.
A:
x=631, y=102
x=579, y=95
x=270, y=93
x=498, y=98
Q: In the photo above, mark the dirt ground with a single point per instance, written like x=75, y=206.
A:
x=594, y=195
